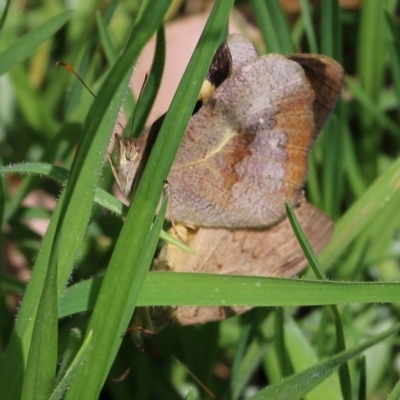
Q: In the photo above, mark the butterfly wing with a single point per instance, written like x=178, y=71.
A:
x=326, y=79
x=245, y=151
x=272, y=252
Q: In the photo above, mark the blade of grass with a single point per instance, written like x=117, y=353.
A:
x=331, y=30
x=34, y=108
x=152, y=85
x=386, y=188
x=332, y=183
x=190, y=395
x=73, y=369
x=306, y=14
x=274, y=27
x=302, y=354
x=4, y=15
x=285, y=365
x=102, y=198
x=370, y=108
x=128, y=254
x=73, y=344
x=356, y=180
x=371, y=60
x=26, y=45
x=75, y=205
x=100, y=358
x=163, y=289
x=248, y=365
x=15, y=356
x=302, y=383
x=236, y=386
x=53, y=171
x=332, y=169
x=393, y=41
x=395, y=393
x=106, y=40
x=86, y=53
x=42, y=359
x=64, y=139
x=344, y=372
x=362, y=385
x=86, y=169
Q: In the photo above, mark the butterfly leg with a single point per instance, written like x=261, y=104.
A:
x=166, y=193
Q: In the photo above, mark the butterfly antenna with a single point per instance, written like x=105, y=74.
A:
x=70, y=69
x=140, y=95
x=123, y=376
x=199, y=382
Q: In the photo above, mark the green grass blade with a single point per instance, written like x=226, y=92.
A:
x=16, y=354
x=128, y=254
x=371, y=60
x=102, y=356
x=102, y=198
x=246, y=366
x=331, y=27
x=273, y=25
x=374, y=112
x=190, y=395
x=53, y=171
x=302, y=355
x=393, y=40
x=306, y=14
x=362, y=387
x=106, y=40
x=4, y=15
x=359, y=143
x=73, y=369
x=372, y=49
x=42, y=358
x=162, y=288
x=72, y=346
x=236, y=384
x=67, y=135
x=285, y=365
x=356, y=180
x=25, y=46
x=363, y=211
x=86, y=169
x=395, y=393
x=76, y=202
x=33, y=107
x=302, y=383
x=152, y=85
x=344, y=372
x=304, y=243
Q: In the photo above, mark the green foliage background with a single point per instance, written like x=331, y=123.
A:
x=50, y=127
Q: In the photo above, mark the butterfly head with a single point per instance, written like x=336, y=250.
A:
x=125, y=161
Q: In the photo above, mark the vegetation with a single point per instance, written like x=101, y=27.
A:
x=344, y=347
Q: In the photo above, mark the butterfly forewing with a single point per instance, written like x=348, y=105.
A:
x=245, y=152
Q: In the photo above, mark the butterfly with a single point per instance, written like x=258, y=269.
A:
x=274, y=252
x=245, y=151
x=243, y=155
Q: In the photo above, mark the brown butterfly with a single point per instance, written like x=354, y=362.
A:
x=274, y=252
x=243, y=155
x=245, y=151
